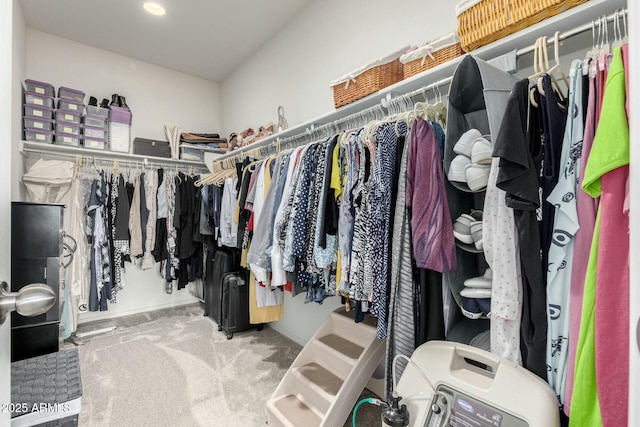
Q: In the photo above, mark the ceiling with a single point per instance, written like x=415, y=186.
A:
x=204, y=38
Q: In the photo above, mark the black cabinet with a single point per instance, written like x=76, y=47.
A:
x=36, y=246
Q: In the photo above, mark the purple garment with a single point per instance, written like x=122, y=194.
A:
x=434, y=247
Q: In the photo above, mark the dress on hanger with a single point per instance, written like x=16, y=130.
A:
x=519, y=169
x=564, y=226
x=600, y=394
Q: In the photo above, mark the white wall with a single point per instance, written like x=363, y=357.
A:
x=18, y=75
x=156, y=95
x=6, y=18
x=144, y=291
x=327, y=40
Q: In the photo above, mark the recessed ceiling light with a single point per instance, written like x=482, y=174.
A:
x=154, y=8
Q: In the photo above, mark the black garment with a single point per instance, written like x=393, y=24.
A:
x=429, y=308
x=520, y=153
x=122, y=211
x=197, y=207
x=129, y=189
x=244, y=214
x=216, y=206
x=328, y=208
x=184, y=216
x=554, y=119
x=196, y=264
x=160, y=249
x=144, y=212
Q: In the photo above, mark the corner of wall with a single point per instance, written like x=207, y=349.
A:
x=18, y=73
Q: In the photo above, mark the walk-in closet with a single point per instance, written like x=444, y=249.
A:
x=319, y=213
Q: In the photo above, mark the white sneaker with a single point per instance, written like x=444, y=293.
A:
x=464, y=144
x=475, y=293
x=457, y=169
x=477, y=176
x=476, y=234
x=481, y=151
x=482, y=282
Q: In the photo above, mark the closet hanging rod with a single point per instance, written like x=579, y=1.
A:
x=575, y=31
x=38, y=148
x=300, y=129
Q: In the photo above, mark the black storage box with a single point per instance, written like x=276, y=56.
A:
x=151, y=147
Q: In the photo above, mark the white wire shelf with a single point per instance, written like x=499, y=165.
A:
x=38, y=148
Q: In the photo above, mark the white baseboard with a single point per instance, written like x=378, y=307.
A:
x=105, y=315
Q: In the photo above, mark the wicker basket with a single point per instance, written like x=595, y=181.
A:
x=431, y=54
x=490, y=20
x=373, y=78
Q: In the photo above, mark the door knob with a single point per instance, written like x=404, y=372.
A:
x=31, y=300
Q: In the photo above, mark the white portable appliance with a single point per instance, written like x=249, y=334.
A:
x=474, y=388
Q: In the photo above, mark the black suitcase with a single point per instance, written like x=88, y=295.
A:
x=218, y=263
x=235, y=303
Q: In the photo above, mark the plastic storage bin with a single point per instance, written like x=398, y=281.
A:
x=94, y=143
x=120, y=129
x=68, y=117
x=97, y=111
x=40, y=88
x=94, y=132
x=37, y=99
x=37, y=123
x=67, y=139
x=70, y=105
x=38, y=111
x=68, y=128
x=72, y=94
x=38, y=135
x=95, y=121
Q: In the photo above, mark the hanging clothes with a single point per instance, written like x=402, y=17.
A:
x=279, y=274
x=519, y=169
x=151, y=201
x=587, y=208
x=564, y=226
x=380, y=219
x=554, y=117
x=347, y=210
x=602, y=365
x=433, y=243
x=121, y=234
x=401, y=329
x=501, y=250
x=228, y=229
x=100, y=285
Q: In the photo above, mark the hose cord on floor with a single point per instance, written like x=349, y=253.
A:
x=370, y=400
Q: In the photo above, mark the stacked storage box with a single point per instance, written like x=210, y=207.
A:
x=68, y=114
x=38, y=111
x=119, y=129
x=95, y=127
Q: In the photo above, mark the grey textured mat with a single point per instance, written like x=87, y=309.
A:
x=49, y=379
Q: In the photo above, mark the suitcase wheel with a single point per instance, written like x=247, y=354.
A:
x=219, y=328
x=260, y=327
x=230, y=335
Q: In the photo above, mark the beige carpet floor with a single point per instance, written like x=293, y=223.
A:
x=173, y=368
